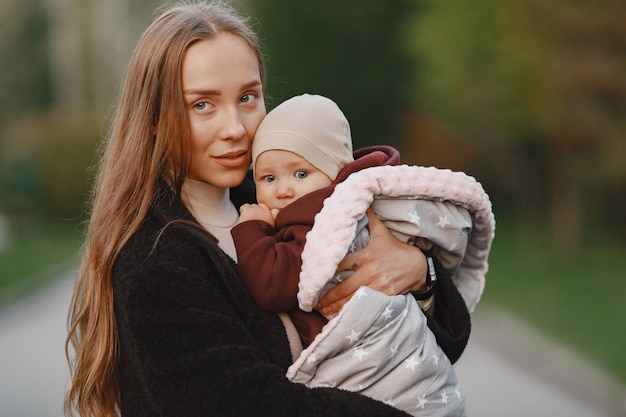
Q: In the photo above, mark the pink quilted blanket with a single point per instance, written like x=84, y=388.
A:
x=337, y=220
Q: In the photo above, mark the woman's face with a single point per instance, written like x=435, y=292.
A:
x=223, y=93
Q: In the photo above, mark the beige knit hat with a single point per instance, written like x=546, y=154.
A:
x=310, y=126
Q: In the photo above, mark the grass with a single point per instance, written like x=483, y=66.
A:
x=575, y=297
x=31, y=256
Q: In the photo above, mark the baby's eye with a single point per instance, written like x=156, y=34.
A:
x=302, y=175
x=269, y=178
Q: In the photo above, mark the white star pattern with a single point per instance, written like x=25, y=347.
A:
x=414, y=218
x=436, y=359
x=394, y=350
x=457, y=391
x=444, y=398
x=359, y=354
x=421, y=402
x=360, y=293
x=353, y=337
x=443, y=221
x=390, y=402
x=387, y=313
x=411, y=363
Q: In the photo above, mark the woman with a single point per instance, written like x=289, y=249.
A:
x=159, y=321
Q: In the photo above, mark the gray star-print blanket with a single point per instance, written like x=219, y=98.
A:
x=378, y=345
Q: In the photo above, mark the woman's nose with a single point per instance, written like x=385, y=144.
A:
x=232, y=125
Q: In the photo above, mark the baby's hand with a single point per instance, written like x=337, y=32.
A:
x=255, y=212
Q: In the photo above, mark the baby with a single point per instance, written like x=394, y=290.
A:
x=301, y=152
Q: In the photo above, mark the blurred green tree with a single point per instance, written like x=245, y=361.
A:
x=25, y=81
x=540, y=88
x=351, y=51
x=62, y=63
x=45, y=167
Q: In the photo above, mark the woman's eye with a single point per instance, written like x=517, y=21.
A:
x=249, y=97
x=246, y=98
x=302, y=175
x=201, y=105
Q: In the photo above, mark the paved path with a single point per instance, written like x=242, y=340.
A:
x=33, y=374
x=507, y=370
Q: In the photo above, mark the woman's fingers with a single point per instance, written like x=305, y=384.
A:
x=385, y=264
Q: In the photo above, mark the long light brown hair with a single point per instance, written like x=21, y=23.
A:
x=148, y=140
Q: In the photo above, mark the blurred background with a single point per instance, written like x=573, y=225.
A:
x=527, y=96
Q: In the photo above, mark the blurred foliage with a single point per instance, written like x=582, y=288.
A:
x=533, y=95
x=44, y=166
x=60, y=72
x=529, y=97
x=351, y=51
x=25, y=80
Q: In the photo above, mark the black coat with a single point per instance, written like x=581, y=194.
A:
x=193, y=343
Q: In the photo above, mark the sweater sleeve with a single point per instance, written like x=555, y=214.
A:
x=269, y=266
x=192, y=343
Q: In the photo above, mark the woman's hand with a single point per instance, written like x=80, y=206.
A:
x=385, y=264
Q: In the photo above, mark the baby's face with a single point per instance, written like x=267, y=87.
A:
x=282, y=177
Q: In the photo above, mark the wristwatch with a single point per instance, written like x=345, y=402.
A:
x=431, y=281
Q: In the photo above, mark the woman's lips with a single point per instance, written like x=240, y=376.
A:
x=232, y=159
